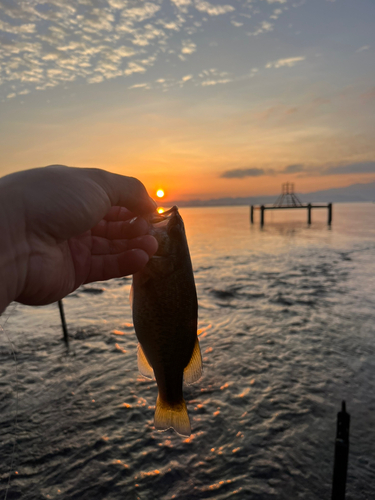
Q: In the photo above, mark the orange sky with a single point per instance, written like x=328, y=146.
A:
x=179, y=96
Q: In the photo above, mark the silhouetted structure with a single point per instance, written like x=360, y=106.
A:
x=288, y=200
x=341, y=454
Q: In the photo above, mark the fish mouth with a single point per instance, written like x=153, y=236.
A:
x=168, y=229
x=170, y=220
x=157, y=218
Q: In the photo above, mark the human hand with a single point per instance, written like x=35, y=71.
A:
x=63, y=226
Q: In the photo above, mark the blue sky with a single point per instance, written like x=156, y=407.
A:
x=203, y=98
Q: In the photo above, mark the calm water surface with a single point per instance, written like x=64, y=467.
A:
x=286, y=318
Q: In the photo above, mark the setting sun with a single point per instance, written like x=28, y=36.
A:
x=160, y=193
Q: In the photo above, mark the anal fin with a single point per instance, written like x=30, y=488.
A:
x=175, y=416
x=143, y=365
x=193, y=371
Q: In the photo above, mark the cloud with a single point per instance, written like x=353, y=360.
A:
x=18, y=29
x=264, y=27
x=241, y=173
x=207, y=83
x=134, y=68
x=213, y=10
x=293, y=169
x=361, y=49
x=140, y=86
x=147, y=11
x=276, y=13
x=45, y=43
x=118, y=4
x=182, y=4
x=188, y=47
x=289, y=62
x=352, y=168
x=214, y=77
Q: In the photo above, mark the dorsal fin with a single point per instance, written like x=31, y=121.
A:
x=143, y=365
x=193, y=371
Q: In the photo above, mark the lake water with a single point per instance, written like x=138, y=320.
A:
x=286, y=319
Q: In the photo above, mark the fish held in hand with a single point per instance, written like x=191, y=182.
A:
x=165, y=311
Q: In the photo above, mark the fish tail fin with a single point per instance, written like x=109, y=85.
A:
x=175, y=416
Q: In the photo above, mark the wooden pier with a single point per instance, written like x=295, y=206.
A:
x=288, y=200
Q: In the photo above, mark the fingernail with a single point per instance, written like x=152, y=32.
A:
x=133, y=220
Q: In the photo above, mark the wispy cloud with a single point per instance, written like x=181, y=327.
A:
x=276, y=1
x=264, y=27
x=293, y=169
x=188, y=47
x=241, y=173
x=365, y=47
x=213, y=10
x=182, y=4
x=45, y=43
x=214, y=77
x=140, y=86
x=352, y=168
x=288, y=62
x=359, y=168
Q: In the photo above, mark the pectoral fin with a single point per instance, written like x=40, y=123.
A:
x=193, y=371
x=176, y=416
x=143, y=365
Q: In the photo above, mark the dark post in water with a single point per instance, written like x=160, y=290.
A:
x=252, y=214
x=309, y=213
x=63, y=322
x=262, y=215
x=341, y=454
x=329, y=213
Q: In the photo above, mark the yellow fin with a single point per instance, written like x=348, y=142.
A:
x=131, y=296
x=167, y=416
x=143, y=365
x=193, y=371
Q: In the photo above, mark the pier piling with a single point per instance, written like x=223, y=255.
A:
x=262, y=215
x=252, y=214
x=329, y=213
x=341, y=454
x=309, y=213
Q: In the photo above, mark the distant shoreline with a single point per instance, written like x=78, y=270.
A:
x=355, y=193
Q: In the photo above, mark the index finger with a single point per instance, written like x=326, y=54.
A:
x=124, y=191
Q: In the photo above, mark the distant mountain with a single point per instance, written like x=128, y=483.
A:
x=353, y=193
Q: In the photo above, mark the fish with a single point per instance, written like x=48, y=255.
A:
x=165, y=316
